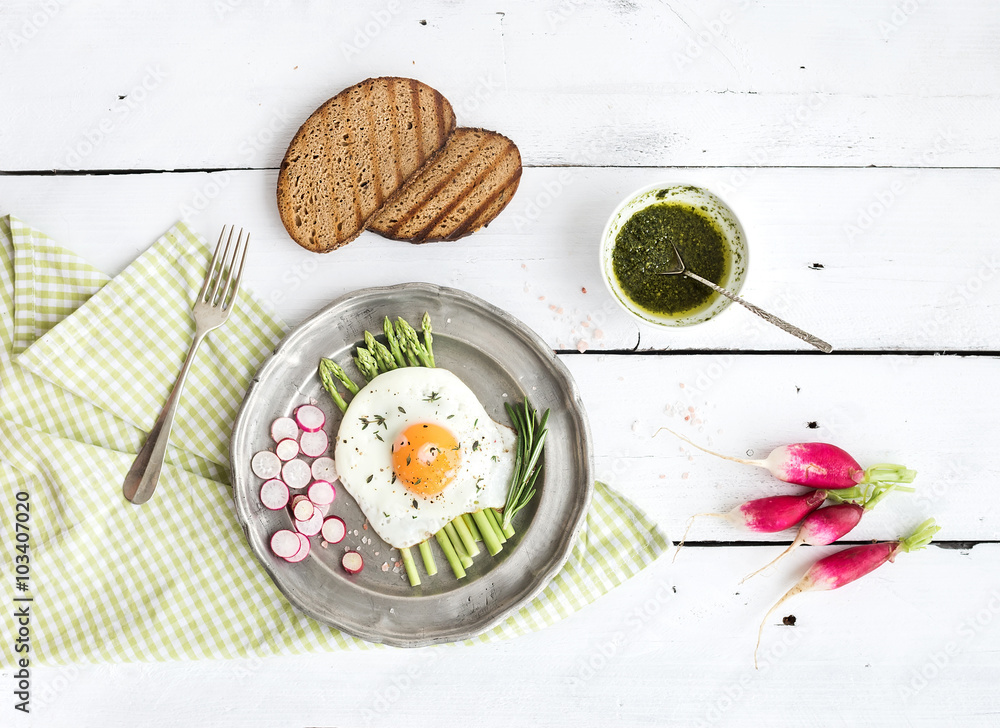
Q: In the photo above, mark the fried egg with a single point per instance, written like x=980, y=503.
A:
x=416, y=449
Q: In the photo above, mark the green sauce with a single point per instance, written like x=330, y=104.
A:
x=642, y=247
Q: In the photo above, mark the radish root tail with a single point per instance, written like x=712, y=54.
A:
x=688, y=530
x=791, y=593
x=758, y=463
x=794, y=545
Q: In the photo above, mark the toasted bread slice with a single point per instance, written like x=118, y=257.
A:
x=463, y=188
x=354, y=153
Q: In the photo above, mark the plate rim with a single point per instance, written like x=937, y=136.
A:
x=571, y=390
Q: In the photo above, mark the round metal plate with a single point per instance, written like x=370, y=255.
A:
x=501, y=360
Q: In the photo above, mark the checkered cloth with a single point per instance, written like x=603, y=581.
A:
x=86, y=363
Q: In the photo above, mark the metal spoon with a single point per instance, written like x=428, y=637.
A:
x=770, y=318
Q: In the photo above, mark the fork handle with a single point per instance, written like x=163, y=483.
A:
x=142, y=477
x=769, y=317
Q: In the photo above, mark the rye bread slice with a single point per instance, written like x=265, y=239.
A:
x=463, y=188
x=354, y=153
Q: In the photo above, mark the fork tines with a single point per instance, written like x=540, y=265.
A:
x=224, y=264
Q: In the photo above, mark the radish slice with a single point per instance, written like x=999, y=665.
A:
x=284, y=428
x=285, y=543
x=322, y=493
x=265, y=464
x=324, y=469
x=302, y=509
x=310, y=417
x=352, y=562
x=303, y=551
x=296, y=473
x=274, y=494
x=286, y=449
x=334, y=530
x=314, y=444
x=311, y=526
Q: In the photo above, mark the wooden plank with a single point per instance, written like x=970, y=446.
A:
x=872, y=259
x=928, y=413
x=727, y=82
x=911, y=644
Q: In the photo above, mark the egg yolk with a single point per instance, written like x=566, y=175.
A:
x=425, y=457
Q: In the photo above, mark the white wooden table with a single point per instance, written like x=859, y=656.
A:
x=859, y=142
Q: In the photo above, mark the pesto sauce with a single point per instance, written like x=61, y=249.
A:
x=642, y=247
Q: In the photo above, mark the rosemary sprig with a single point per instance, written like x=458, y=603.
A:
x=531, y=435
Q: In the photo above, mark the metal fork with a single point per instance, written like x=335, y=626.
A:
x=211, y=310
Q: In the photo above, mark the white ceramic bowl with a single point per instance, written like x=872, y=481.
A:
x=708, y=202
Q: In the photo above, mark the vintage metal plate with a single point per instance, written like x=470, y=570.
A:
x=501, y=360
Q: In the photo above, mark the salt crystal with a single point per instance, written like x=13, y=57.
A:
x=581, y=346
x=385, y=566
x=598, y=334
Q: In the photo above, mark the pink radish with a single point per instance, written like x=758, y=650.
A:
x=334, y=530
x=302, y=508
x=768, y=515
x=284, y=428
x=826, y=525
x=322, y=493
x=352, y=562
x=274, y=494
x=851, y=564
x=296, y=473
x=324, y=469
x=304, y=547
x=314, y=444
x=817, y=465
x=312, y=525
x=265, y=464
x=820, y=528
x=285, y=543
x=310, y=417
x=286, y=449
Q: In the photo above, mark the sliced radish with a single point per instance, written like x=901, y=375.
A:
x=265, y=464
x=324, y=469
x=285, y=543
x=302, y=508
x=286, y=449
x=296, y=473
x=314, y=444
x=303, y=551
x=322, y=493
x=311, y=526
x=274, y=494
x=334, y=529
x=310, y=417
x=352, y=562
x=284, y=428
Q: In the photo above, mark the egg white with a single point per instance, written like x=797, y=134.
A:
x=380, y=412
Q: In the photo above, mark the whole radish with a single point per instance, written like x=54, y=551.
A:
x=826, y=525
x=851, y=564
x=817, y=465
x=768, y=515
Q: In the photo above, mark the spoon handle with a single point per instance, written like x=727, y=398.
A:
x=770, y=318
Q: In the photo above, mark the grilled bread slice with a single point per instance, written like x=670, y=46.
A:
x=354, y=153
x=462, y=188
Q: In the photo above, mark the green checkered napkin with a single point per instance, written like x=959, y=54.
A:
x=86, y=363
